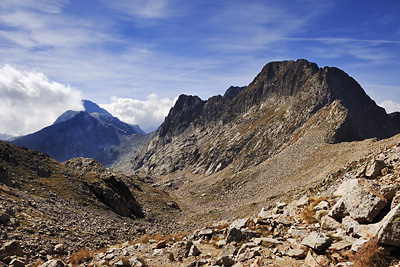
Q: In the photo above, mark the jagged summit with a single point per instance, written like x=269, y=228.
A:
x=286, y=101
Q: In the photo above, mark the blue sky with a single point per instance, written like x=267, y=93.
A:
x=135, y=57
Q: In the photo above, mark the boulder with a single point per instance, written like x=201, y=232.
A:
x=226, y=256
x=389, y=232
x=328, y=223
x=238, y=235
x=316, y=241
x=360, y=230
x=374, y=168
x=359, y=202
x=194, y=251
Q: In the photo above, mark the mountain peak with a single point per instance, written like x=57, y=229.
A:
x=287, y=100
x=92, y=107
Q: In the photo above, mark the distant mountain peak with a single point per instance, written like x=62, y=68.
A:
x=92, y=107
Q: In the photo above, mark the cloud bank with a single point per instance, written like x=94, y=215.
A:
x=390, y=106
x=147, y=114
x=29, y=101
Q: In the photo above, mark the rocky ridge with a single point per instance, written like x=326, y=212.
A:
x=272, y=112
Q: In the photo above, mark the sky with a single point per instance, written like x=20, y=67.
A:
x=134, y=58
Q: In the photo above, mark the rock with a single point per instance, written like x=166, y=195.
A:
x=389, y=233
x=194, y=251
x=11, y=248
x=342, y=189
x=344, y=264
x=181, y=249
x=119, y=263
x=16, y=263
x=59, y=248
x=316, y=260
x=360, y=203
x=237, y=235
x=53, y=263
x=364, y=230
x=395, y=200
x=389, y=191
x=302, y=201
x=338, y=211
x=265, y=241
x=297, y=232
x=205, y=232
x=374, y=168
x=239, y=224
x=357, y=245
x=226, y=256
x=161, y=244
x=316, y=241
x=340, y=245
x=265, y=214
x=328, y=223
x=322, y=205
x=281, y=205
x=296, y=253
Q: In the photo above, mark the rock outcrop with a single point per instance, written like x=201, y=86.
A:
x=286, y=101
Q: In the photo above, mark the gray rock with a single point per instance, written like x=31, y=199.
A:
x=237, y=235
x=374, y=168
x=360, y=203
x=302, y=201
x=53, y=263
x=356, y=246
x=389, y=233
x=194, y=251
x=239, y=224
x=316, y=241
x=296, y=253
x=328, y=223
x=265, y=214
x=266, y=240
x=226, y=256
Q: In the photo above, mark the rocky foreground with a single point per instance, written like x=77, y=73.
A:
x=352, y=221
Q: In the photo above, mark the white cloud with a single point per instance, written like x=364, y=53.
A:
x=148, y=9
x=29, y=101
x=390, y=106
x=146, y=114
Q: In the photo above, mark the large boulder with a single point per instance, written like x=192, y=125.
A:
x=316, y=241
x=359, y=202
x=389, y=232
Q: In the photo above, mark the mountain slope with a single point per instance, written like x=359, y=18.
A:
x=96, y=134
x=272, y=112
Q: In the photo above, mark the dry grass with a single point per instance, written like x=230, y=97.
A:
x=81, y=257
x=308, y=214
x=372, y=255
x=144, y=239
